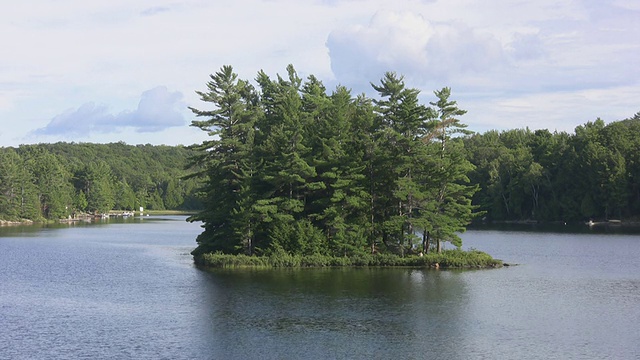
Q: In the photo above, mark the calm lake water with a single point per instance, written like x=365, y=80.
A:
x=128, y=290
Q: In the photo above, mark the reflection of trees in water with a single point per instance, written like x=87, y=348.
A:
x=385, y=311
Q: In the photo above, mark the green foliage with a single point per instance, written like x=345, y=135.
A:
x=448, y=259
x=220, y=260
x=18, y=193
x=54, y=181
x=173, y=196
x=300, y=237
x=125, y=197
x=291, y=171
x=98, y=186
x=525, y=175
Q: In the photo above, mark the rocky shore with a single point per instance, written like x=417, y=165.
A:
x=15, y=223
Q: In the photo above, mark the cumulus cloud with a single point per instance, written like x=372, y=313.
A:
x=410, y=44
x=516, y=53
x=157, y=110
x=87, y=118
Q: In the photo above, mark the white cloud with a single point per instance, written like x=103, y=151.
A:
x=154, y=10
x=539, y=67
x=157, y=110
x=57, y=55
x=560, y=110
x=86, y=119
x=410, y=44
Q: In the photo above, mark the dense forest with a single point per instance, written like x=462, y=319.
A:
x=55, y=181
x=543, y=176
x=293, y=168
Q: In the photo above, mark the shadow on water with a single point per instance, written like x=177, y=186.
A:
x=334, y=313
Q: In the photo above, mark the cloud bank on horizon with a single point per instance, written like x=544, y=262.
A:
x=106, y=71
x=157, y=110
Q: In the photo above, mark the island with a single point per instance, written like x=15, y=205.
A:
x=297, y=176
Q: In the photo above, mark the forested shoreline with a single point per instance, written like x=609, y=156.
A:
x=295, y=173
x=591, y=174
x=57, y=181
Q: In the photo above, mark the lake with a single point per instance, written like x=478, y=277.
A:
x=127, y=289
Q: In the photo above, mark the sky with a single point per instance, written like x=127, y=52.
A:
x=120, y=70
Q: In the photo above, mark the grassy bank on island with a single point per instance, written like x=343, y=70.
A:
x=448, y=259
x=170, y=212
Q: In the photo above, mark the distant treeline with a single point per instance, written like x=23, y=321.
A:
x=53, y=181
x=538, y=175
x=522, y=174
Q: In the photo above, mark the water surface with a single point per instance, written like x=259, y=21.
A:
x=129, y=290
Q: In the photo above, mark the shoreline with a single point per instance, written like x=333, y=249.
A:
x=448, y=259
x=90, y=217
x=610, y=222
x=16, y=222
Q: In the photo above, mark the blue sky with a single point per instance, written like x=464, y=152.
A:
x=120, y=70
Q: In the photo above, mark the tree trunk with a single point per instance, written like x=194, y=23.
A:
x=425, y=242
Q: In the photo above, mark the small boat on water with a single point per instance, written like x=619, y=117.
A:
x=592, y=223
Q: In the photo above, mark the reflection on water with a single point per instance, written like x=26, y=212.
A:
x=128, y=289
x=362, y=313
x=603, y=228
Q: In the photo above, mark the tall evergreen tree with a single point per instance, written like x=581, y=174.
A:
x=449, y=210
x=227, y=163
x=286, y=175
x=339, y=201
x=125, y=197
x=402, y=125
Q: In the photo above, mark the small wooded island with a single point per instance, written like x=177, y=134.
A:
x=297, y=176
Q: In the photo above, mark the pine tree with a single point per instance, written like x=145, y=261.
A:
x=340, y=201
x=449, y=208
x=402, y=124
x=293, y=169
x=227, y=163
x=285, y=174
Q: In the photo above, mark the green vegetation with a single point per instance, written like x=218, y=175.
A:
x=457, y=259
x=297, y=176
x=55, y=181
x=307, y=177
x=544, y=176
x=294, y=175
